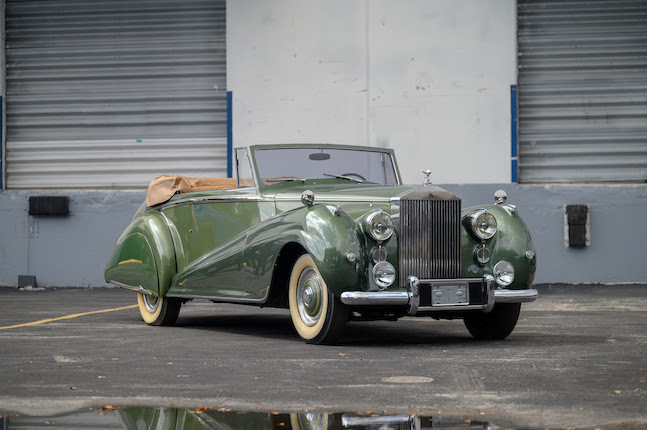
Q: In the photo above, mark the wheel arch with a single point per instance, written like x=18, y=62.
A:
x=278, y=296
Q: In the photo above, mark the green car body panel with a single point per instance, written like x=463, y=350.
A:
x=144, y=255
x=243, y=267
x=239, y=245
x=511, y=243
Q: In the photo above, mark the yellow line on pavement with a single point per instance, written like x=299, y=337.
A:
x=67, y=317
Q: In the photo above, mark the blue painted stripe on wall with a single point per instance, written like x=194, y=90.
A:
x=514, y=130
x=1, y=160
x=230, y=138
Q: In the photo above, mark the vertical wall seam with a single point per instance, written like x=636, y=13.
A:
x=368, y=71
x=514, y=131
x=230, y=137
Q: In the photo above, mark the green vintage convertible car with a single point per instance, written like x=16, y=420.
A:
x=332, y=234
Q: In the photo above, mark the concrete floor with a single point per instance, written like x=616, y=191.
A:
x=578, y=358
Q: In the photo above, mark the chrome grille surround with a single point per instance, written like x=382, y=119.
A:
x=429, y=223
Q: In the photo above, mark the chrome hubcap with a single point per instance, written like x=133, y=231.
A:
x=151, y=302
x=309, y=296
x=311, y=421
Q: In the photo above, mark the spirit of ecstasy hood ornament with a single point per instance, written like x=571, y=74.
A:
x=427, y=174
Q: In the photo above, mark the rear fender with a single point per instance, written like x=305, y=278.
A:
x=144, y=256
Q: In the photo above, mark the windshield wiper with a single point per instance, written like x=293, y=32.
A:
x=284, y=179
x=350, y=178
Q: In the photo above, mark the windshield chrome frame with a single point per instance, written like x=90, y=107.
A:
x=251, y=151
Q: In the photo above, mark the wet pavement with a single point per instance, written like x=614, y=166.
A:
x=578, y=358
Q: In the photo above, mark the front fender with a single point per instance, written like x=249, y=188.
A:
x=329, y=236
x=143, y=256
x=510, y=243
x=325, y=232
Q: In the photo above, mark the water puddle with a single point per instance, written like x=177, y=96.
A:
x=145, y=418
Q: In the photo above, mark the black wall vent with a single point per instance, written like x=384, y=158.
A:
x=49, y=205
x=576, y=226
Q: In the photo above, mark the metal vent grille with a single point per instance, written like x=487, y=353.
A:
x=582, y=85
x=430, y=239
x=111, y=93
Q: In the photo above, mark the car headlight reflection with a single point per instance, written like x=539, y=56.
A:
x=504, y=273
x=379, y=225
x=384, y=274
x=484, y=224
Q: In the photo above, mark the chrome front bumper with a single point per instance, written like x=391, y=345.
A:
x=411, y=298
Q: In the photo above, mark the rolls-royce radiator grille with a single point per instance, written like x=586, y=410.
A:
x=430, y=239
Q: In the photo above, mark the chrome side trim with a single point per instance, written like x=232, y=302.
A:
x=516, y=296
x=194, y=200
x=218, y=299
x=344, y=199
x=137, y=289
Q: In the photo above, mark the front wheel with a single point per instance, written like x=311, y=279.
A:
x=494, y=325
x=317, y=315
x=158, y=310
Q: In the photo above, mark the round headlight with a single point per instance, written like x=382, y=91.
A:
x=504, y=273
x=483, y=224
x=379, y=225
x=383, y=274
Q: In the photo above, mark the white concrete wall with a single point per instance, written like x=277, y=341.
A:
x=428, y=78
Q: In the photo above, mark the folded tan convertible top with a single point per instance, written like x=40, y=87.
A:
x=164, y=187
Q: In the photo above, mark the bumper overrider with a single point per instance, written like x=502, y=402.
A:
x=442, y=295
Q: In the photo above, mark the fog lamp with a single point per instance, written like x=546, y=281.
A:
x=483, y=254
x=504, y=273
x=383, y=274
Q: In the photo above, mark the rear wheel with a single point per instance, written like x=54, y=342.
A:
x=158, y=310
x=494, y=325
x=317, y=315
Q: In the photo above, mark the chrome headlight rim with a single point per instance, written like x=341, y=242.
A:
x=374, y=226
x=503, y=273
x=481, y=219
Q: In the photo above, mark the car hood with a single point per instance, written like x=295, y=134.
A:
x=356, y=192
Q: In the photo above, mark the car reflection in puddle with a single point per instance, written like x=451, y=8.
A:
x=144, y=418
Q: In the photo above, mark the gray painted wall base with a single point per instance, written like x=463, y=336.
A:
x=73, y=250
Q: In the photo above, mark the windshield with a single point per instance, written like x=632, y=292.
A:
x=295, y=164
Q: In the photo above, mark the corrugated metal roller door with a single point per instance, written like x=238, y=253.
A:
x=582, y=91
x=111, y=93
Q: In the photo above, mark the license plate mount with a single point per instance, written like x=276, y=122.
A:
x=450, y=293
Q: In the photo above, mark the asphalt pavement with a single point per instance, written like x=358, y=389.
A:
x=577, y=358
